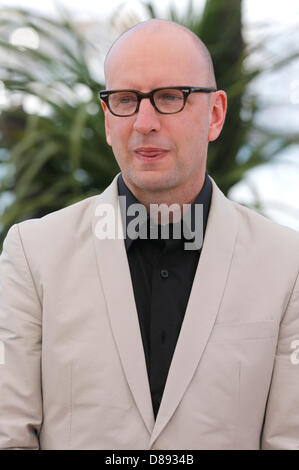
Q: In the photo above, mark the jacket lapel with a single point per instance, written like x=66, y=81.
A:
x=115, y=277
x=203, y=306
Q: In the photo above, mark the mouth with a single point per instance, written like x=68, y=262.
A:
x=150, y=153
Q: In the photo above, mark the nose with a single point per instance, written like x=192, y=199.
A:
x=147, y=119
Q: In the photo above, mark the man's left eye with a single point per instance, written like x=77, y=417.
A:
x=169, y=97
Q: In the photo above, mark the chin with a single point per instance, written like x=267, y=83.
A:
x=152, y=181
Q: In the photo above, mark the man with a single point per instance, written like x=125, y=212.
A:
x=140, y=343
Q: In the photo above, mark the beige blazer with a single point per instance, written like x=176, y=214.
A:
x=73, y=372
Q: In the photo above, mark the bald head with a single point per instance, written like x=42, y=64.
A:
x=167, y=31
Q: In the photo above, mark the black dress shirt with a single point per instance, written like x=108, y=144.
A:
x=162, y=273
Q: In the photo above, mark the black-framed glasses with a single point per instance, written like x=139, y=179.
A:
x=167, y=100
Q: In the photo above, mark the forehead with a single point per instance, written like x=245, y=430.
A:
x=148, y=59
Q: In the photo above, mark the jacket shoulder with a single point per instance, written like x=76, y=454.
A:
x=261, y=229
x=73, y=219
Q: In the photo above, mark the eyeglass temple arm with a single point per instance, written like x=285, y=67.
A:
x=202, y=89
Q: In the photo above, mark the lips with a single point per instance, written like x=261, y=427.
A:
x=150, y=152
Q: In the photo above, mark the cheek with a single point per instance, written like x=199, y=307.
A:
x=119, y=137
x=191, y=139
x=190, y=135
x=119, y=131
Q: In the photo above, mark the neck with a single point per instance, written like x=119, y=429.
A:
x=168, y=197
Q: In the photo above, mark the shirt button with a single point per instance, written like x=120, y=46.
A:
x=164, y=273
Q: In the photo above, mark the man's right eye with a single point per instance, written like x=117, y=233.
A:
x=124, y=99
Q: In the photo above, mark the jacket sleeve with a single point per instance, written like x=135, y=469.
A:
x=20, y=349
x=281, y=426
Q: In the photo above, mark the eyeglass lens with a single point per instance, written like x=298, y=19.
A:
x=166, y=100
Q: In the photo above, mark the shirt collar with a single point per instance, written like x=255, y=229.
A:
x=204, y=197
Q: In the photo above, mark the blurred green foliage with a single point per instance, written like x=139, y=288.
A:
x=55, y=159
x=50, y=160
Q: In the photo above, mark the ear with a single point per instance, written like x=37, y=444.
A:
x=218, y=112
x=107, y=127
